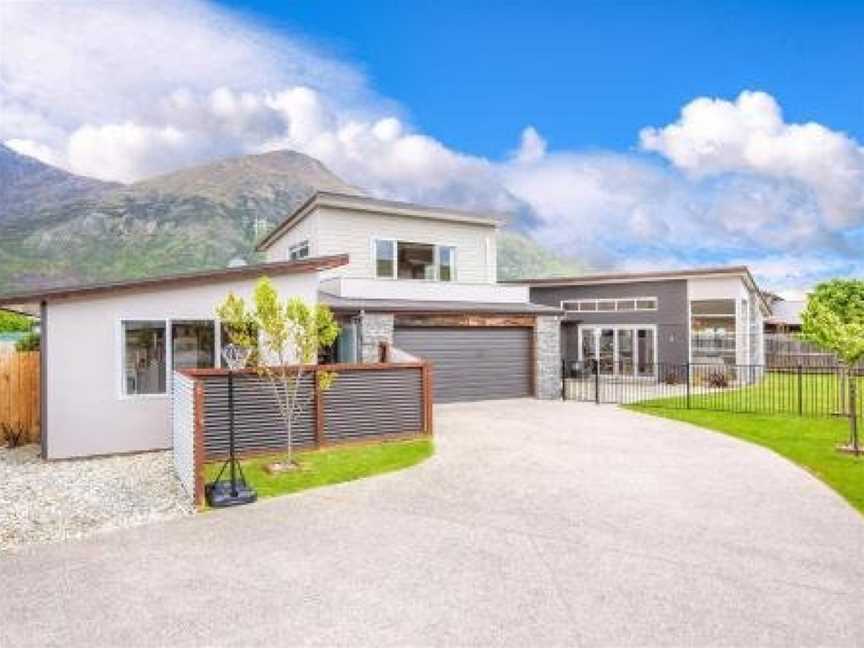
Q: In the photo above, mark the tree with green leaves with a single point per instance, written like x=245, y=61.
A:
x=284, y=337
x=14, y=322
x=834, y=320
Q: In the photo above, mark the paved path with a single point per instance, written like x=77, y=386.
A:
x=535, y=524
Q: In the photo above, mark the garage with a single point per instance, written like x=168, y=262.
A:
x=473, y=363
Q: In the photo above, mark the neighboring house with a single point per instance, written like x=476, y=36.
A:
x=416, y=278
x=629, y=323
x=785, y=316
x=423, y=279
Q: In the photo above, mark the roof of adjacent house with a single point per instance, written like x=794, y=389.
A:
x=787, y=312
x=314, y=264
x=661, y=275
x=357, y=203
x=420, y=306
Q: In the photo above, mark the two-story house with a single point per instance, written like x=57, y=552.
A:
x=417, y=278
x=423, y=279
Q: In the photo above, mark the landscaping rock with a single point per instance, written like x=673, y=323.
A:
x=43, y=501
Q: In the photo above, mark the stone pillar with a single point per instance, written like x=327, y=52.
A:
x=547, y=357
x=375, y=328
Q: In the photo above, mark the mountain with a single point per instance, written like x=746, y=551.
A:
x=26, y=185
x=70, y=230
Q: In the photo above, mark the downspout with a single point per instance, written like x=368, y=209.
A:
x=43, y=377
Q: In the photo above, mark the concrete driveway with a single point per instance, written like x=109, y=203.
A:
x=535, y=524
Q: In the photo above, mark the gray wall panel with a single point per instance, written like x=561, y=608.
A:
x=670, y=316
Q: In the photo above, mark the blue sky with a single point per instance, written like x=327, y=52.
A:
x=634, y=135
x=588, y=74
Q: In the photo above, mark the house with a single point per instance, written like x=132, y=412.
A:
x=785, y=316
x=628, y=324
x=423, y=279
x=416, y=278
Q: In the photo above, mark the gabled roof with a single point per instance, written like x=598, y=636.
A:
x=352, y=202
x=314, y=264
x=787, y=312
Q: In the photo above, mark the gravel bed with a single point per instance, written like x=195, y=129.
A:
x=42, y=501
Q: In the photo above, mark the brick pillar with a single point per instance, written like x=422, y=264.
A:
x=375, y=328
x=547, y=357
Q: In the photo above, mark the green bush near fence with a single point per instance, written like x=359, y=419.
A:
x=330, y=466
x=807, y=441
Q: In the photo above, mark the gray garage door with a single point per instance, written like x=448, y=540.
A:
x=473, y=363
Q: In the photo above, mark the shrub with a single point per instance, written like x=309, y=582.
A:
x=13, y=434
x=671, y=378
x=717, y=379
x=30, y=342
x=14, y=323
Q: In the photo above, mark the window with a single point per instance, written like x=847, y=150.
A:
x=421, y=261
x=298, y=251
x=143, y=357
x=415, y=261
x=446, y=263
x=626, y=305
x=385, y=259
x=712, y=329
x=193, y=344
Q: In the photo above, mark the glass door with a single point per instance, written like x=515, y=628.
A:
x=624, y=362
x=645, y=352
x=606, y=351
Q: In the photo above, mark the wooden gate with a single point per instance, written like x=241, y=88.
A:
x=19, y=393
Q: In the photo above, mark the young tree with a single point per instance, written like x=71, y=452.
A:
x=285, y=337
x=834, y=320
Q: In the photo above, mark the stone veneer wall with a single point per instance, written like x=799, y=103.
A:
x=547, y=357
x=375, y=328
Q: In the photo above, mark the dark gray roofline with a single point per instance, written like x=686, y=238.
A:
x=366, y=203
x=418, y=306
x=313, y=264
x=625, y=277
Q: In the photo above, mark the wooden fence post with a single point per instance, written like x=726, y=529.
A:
x=320, y=438
x=426, y=391
x=198, y=453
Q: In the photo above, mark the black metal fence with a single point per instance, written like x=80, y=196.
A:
x=754, y=389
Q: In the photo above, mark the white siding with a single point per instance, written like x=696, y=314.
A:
x=86, y=414
x=183, y=432
x=339, y=231
x=305, y=230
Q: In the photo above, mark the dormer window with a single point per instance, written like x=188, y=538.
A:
x=407, y=260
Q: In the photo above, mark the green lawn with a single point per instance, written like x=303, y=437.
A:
x=777, y=393
x=330, y=466
x=809, y=442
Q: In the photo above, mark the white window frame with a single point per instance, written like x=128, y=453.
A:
x=120, y=337
x=297, y=247
x=572, y=305
x=596, y=331
x=437, y=259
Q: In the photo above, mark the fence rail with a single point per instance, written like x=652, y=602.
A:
x=753, y=389
x=19, y=393
x=365, y=402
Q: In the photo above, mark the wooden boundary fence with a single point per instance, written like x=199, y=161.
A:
x=19, y=393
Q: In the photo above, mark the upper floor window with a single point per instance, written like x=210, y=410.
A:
x=406, y=260
x=619, y=305
x=298, y=251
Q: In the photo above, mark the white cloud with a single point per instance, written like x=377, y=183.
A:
x=136, y=90
x=715, y=136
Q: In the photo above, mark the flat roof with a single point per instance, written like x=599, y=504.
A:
x=661, y=275
x=354, y=202
x=421, y=306
x=202, y=277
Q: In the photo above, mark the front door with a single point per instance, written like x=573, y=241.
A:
x=619, y=350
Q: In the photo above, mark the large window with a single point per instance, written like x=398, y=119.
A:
x=144, y=357
x=712, y=328
x=419, y=261
x=193, y=344
x=619, y=350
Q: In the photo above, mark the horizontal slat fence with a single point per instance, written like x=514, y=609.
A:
x=19, y=393
x=365, y=402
